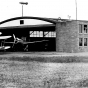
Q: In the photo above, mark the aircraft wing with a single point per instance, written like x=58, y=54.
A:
x=27, y=42
x=7, y=47
x=5, y=37
x=4, y=47
x=34, y=42
x=9, y=42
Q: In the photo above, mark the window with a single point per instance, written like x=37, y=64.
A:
x=50, y=34
x=36, y=33
x=21, y=21
x=85, y=41
x=85, y=28
x=80, y=41
x=53, y=34
x=40, y=33
x=80, y=28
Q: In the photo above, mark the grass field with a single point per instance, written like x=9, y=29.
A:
x=43, y=70
x=46, y=57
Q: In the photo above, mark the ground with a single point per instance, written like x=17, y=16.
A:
x=43, y=70
x=50, y=54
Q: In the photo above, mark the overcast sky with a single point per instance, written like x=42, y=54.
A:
x=44, y=8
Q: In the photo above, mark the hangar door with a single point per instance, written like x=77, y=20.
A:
x=34, y=37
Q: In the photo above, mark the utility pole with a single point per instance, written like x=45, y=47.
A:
x=76, y=8
x=23, y=3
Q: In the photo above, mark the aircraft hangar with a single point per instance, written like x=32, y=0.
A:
x=38, y=34
x=43, y=34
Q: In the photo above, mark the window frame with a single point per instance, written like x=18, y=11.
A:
x=81, y=44
x=85, y=28
x=80, y=30
x=36, y=33
x=86, y=42
x=50, y=34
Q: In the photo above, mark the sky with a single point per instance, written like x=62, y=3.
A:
x=44, y=8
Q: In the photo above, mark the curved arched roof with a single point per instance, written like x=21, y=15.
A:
x=27, y=17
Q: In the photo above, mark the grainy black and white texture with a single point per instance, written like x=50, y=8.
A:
x=43, y=71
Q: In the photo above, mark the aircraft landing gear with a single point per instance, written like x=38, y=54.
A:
x=26, y=48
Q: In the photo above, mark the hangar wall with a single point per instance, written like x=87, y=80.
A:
x=67, y=36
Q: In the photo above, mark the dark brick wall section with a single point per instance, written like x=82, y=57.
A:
x=67, y=36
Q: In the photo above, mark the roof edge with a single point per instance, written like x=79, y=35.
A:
x=28, y=17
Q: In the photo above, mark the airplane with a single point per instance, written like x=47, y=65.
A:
x=2, y=47
x=18, y=40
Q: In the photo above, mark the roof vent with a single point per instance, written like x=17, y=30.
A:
x=21, y=22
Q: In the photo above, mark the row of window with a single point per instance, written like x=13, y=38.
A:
x=83, y=41
x=83, y=28
x=42, y=34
